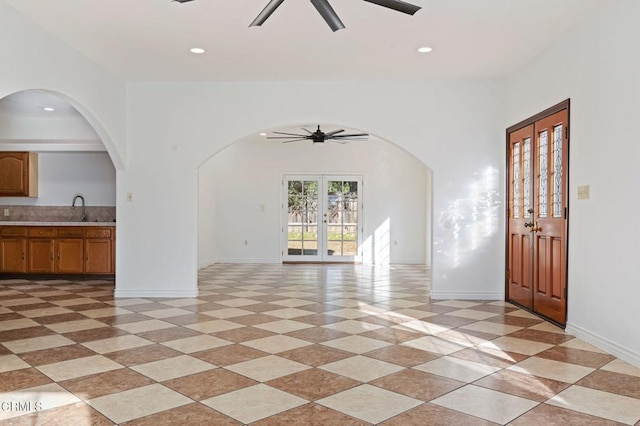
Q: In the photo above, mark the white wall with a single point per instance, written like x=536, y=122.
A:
x=40, y=128
x=456, y=127
x=63, y=175
x=34, y=59
x=235, y=183
x=598, y=68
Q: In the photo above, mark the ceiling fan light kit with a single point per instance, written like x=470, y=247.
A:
x=326, y=11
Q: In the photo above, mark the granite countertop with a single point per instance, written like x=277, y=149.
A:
x=32, y=223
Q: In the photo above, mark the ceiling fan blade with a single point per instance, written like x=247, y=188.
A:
x=266, y=12
x=326, y=11
x=307, y=130
x=333, y=132
x=182, y=1
x=350, y=135
x=289, y=134
x=294, y=140
x=399, y=5
x=281, y=138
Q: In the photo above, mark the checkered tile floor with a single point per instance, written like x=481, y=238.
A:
x=296, y=345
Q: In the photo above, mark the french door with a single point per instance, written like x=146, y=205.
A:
x=323, y=215
x=537, y=213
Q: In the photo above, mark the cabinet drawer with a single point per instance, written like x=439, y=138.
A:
x=66, y=232
x=97, y=233
x=13, y=231
x=41, y=232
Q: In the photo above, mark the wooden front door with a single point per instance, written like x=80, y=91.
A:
x=538, y=213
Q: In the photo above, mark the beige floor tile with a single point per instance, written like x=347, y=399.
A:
x=235, y=303
x=361, y=368
x=127, y=302
x=619, y=366
x=523, y=314
x=254, y=403
x=555, y=370
x=17, y=324
x=349, y=313
x=369, y=403
x=114, y=344
x=267, y=368
x=11, y=363
x=346, y=303
x=20, y=302
x=71, y=326
x=292, y=303
x=546, y=326
x=521, y=346
x=287, y=313
x=143, y=326
x=436, y=345
x=105, y=312
x=420, y=326
x=37, y=399
x=276, y=344
x=492, y=327
x=401, y=303
x=214, y=326
x=283, y=326
x=598, y=403
x=353, y=326
x=457, y=304
x=356, y=344
x=414, y=313
x=80, y=367
x=171, y=368
x=132, y=404
x=227, y=313
x=472, y=314
x=37, y=343
x=75, y=302
x=196, y=343
x=457, y=369
x=179, y=303
x=167, y=313
x=582, y=345
x=486, y=403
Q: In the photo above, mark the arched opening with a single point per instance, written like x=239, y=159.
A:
x=241, y=198
x=75, y=158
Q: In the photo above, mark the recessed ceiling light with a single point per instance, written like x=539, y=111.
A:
x=425, y=49
x=48, y=109
x=263, y=134
x=197, y=50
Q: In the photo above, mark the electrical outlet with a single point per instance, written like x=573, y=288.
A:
x=129, y=197
x=6, y=212
x=246, y=243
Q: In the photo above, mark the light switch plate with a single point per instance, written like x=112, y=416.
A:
x=6, y=212
x=583, y=192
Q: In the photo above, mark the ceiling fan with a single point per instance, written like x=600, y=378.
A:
x=326, y=11
x=320, y=137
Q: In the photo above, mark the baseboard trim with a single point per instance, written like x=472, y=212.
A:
x=604, y=344
x=170, y=294
x=463, y=295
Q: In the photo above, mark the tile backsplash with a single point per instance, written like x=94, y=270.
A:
x=57, y=214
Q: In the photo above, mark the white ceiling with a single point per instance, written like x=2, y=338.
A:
x=149, y=40
x=31, y=103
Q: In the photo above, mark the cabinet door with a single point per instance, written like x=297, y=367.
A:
x=13, y=255
x=41, y=256
x=98, y=252
x=70, y=256
x=13, y=173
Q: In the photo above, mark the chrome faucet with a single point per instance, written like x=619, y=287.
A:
x=73, y=206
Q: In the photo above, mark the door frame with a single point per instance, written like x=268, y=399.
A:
x=321, y=256
x=564, y=105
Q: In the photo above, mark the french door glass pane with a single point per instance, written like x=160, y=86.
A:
x=342, y=217
x=302, y=199
x=543, y=193
x=526, y=171
x=516, y=180
x=557, y=171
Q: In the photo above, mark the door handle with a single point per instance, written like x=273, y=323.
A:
x=534, y=226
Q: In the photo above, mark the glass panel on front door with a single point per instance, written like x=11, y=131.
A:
x=322, y=218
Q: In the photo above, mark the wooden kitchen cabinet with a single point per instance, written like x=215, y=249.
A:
x=18, y=174
x=13, y=249
x=41, y=256
x=57, y=250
